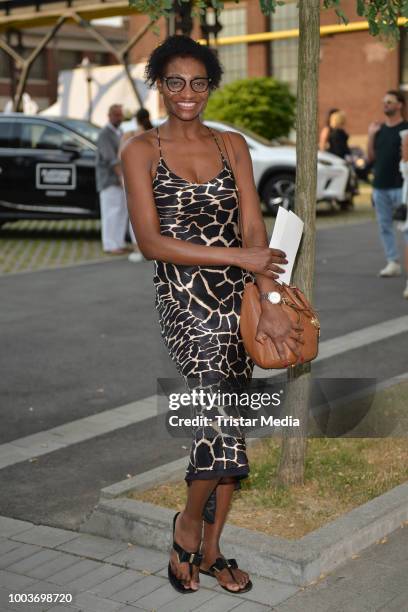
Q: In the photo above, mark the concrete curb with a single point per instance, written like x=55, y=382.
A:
x=297, y=562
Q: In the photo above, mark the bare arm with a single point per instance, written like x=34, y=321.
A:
x=138, y=158
x=404, y=149
x=372, y=131
x=324, y=137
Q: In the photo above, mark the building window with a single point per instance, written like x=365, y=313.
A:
x=284, y=53
x=4, y=65
x=68, y=59
x=38, y=68
x=233, y=58
x=100, y=58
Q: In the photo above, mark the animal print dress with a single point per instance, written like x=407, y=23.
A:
x=199, y=307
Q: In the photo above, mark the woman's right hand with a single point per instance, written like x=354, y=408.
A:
x=262, y=260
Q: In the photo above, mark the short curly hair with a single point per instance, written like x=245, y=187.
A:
x=180, y=45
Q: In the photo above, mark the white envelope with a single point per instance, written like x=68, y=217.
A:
x=286, y=236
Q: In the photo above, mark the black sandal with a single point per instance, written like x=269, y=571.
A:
x=230, y=564
x=183, y=556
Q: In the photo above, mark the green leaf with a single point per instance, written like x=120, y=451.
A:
x=264, y=105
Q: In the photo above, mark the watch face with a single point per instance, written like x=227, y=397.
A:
x=274, y=297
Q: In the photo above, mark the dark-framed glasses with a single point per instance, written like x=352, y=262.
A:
x=176, y=84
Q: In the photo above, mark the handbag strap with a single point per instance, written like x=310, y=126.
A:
x=231, y=156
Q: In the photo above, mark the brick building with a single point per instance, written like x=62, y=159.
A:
x=355, y=71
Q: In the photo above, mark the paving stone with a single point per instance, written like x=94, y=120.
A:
x=7, y=545
x=304, y=604
x=45, y=536
x=11, y=606
x=47, y=570
x=91, y=579
x=129, y=608
x=14, y=582
x=63, y=608
x=159, y=597
x=398, y=604
x=370, y=579
x=91, y=603
x=117, y=583
x=358, y=605
x=391, y=553
x=4, y=599
x=9, y=526
x=74, y=571
x=93, y=546
x=138, y=590
x=251, y=606
x=17, y=554
x=223, y=603
x=185, y=602
x=268, y=592
x=140, y=559
x=33, y=561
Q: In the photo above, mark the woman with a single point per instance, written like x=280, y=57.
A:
x=142, y=117
x=324, y=134
x=338, y=137
x=183, y=203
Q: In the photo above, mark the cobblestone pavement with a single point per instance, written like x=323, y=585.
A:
x=107, y=576
x=35, y=245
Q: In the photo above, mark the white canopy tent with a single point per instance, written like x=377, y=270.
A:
x=107, y=85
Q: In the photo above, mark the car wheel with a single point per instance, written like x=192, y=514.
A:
x=279, y=190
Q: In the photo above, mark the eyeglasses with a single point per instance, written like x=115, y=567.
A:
x=176, y=84
x=390, y=101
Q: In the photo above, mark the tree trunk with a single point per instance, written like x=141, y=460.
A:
x=292, y=461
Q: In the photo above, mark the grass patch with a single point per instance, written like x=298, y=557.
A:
x=340, y=475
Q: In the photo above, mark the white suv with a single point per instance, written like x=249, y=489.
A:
x=274, y=171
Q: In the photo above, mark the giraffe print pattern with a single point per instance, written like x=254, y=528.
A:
x=199, y=307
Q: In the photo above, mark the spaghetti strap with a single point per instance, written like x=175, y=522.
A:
x=217, y=143
x=158, y=140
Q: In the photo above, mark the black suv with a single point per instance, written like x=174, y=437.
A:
x=47, y=168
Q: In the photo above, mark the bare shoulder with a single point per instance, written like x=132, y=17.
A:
x=141, y=146
x=238, y=142
x=235, y=137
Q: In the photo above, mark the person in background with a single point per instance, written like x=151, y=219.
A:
x=324, y=134
x=384, y=150
x=338, y=137
x=114, y=215
x=143, y=122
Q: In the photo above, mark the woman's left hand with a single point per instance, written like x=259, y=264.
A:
x=275, y=324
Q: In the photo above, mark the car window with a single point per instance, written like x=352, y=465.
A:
x=7, y=134
x=43, y=136
x=90, y=131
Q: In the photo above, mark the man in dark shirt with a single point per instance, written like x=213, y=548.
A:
x=384, y=149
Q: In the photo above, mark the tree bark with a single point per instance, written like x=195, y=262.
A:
x=294, y=441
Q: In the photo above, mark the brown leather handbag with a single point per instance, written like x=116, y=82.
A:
x=299, y=310
x=294, y=303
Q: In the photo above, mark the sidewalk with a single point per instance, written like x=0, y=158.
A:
x=108, y=576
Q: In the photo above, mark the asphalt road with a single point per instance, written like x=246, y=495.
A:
x=81, y=340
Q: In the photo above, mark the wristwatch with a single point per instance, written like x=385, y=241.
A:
x=272, y=296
